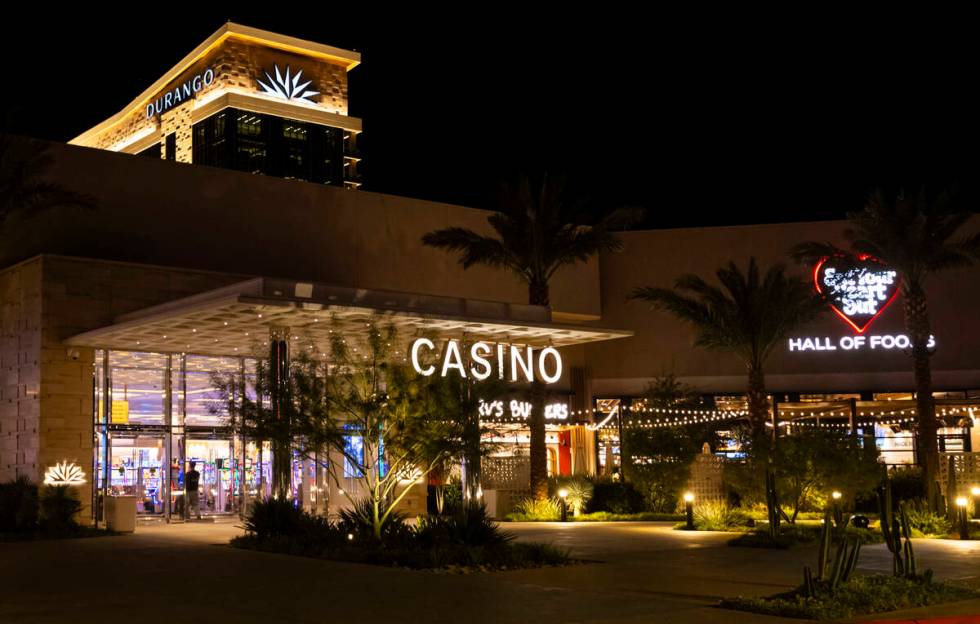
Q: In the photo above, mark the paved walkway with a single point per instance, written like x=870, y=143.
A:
x=647, y=573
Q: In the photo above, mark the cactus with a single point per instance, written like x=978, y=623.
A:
x=809, y=588
x=831, y=574
x=894, y=529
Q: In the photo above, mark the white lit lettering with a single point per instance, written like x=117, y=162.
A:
x=477, y=351
x=422, y=342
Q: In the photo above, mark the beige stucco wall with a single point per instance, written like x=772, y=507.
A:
x=172, y=214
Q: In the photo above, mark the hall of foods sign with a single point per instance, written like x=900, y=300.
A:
x=510, y=362
x=858, y=289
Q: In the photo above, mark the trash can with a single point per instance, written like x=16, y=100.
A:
x=120, y=513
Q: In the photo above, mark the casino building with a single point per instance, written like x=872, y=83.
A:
x=115, y=318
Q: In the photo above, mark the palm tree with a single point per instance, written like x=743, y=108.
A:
x=534, y=236
x=916, y=237
x=748, y=316
x=23, y=163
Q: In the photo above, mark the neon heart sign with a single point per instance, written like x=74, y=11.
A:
x=858, y=289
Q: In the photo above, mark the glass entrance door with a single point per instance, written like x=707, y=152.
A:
x=137, y=468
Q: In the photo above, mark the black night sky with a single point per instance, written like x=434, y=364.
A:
x=701, y=123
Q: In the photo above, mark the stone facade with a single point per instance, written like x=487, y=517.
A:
x=20, y=343
x=237, y=64
x=47, y=392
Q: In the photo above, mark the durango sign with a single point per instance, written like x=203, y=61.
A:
x=511, y=362
x=184, y=91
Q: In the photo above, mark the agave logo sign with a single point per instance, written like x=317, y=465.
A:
x=287, y=87
x=64, y=473
x=857, y=288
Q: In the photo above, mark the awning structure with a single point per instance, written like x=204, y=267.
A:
x=237, y=320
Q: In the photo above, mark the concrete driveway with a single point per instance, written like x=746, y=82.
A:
x=647, y=573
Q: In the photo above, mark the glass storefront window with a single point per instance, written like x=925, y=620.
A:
x=138, y=393
x=204, y=407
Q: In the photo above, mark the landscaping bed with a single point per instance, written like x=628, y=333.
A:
x=799, y=535
x=862, y=595
x=461, y=542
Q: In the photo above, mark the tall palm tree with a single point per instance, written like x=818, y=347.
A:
x=535, y=234
x=23, y=190
x=917, y=237
x=748, y=315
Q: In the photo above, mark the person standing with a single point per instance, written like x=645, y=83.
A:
x=191, y=481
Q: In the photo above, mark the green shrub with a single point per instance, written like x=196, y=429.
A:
x=579, y=490
x=861, y=595
x=643, y=516
x=907, y=484
x=615, y=497
x=357, y=521
x=18, y=506
x=718, y=516
x=924, y=521
x=532, y=510
x=791, y=535
x=468, y=526
x=58, y=506
x=274, y=518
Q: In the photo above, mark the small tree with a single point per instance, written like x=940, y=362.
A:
x=808, y=465
x=394, y=414
x=658, y=460
x=286, y=408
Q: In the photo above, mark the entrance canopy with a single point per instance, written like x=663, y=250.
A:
x=237, y=320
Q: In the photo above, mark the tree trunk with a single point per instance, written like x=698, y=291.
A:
x=927, y=455
x=538, y=293
x=281, y=442
x=758, y=404
x=539, y=451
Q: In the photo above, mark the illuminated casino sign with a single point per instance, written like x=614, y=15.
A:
x=857, y=288
x=180, y=93
x=521, y=410
x=511, y=362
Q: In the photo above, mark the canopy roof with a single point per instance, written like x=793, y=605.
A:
x=238, y=319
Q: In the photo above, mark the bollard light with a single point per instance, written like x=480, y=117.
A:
x=350, y=537
x=836, y=495
x=964, y=525
x=563, y=494
x=689, y=509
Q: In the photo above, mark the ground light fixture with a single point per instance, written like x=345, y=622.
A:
x=689, y=509
x=964, y=525
x=563, y=495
